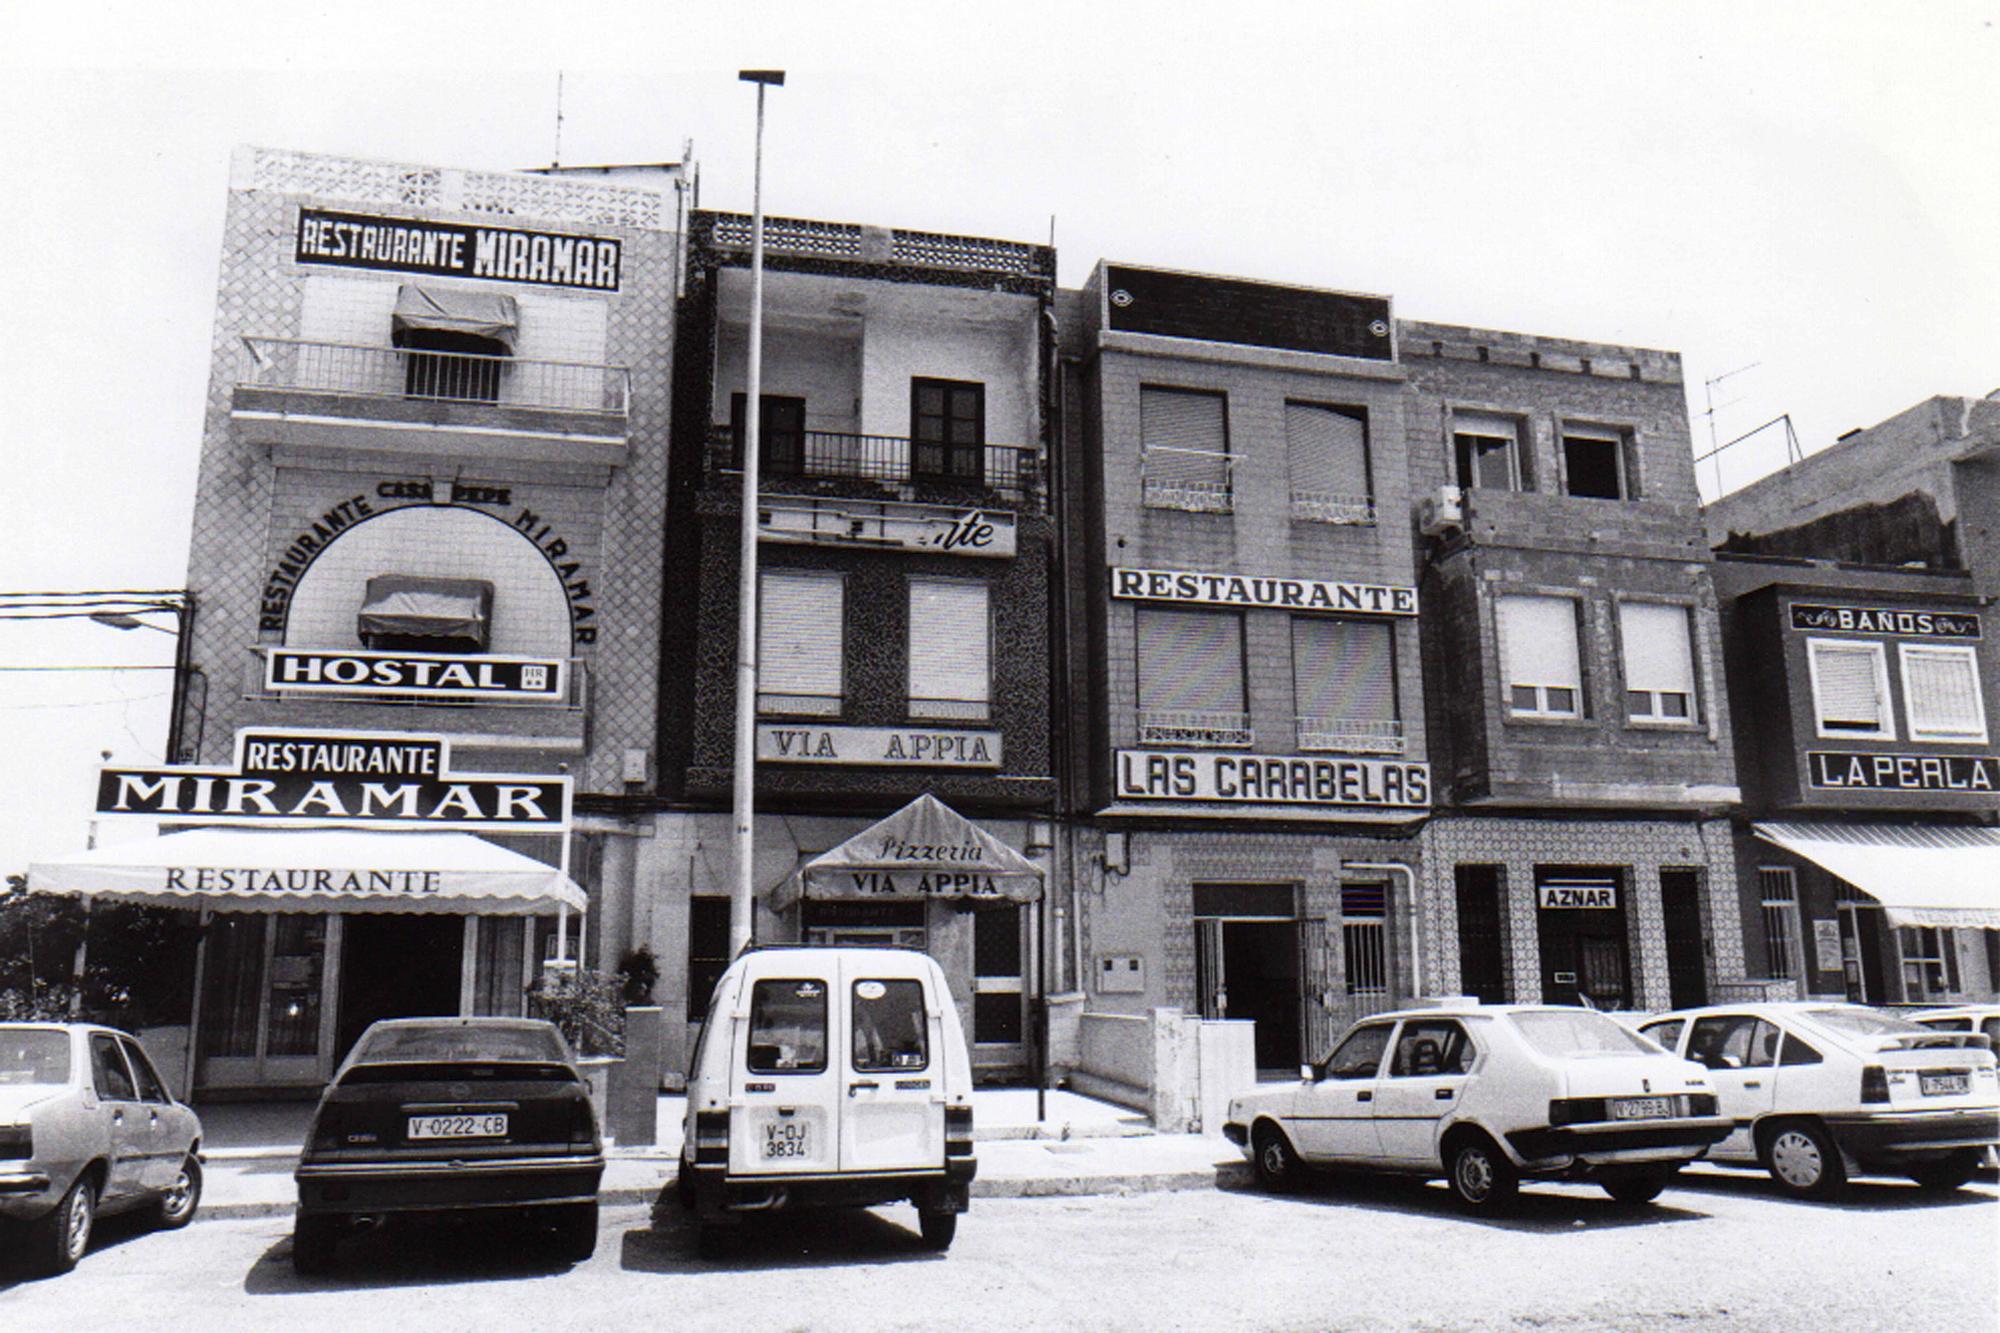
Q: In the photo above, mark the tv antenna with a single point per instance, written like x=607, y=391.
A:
x=556, y=162
x=1708, y=390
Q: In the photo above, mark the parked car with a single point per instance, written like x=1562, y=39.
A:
x=829, y=1077
x=87, y=1129
x=1484, y=1096
x=1983, y=1018
x=1819, y=1091
x=451, y=1115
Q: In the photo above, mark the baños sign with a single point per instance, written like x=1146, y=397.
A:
x=458, y=250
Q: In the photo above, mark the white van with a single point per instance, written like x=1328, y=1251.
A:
x=829, y=1077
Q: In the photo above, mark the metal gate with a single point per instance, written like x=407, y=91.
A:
x=1316, y=998
x=1364, y=931
x=1210, y=985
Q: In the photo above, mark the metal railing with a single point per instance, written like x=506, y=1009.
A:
x=576, y=698
x=1198, y=480
x=800, y=705
x=1332, y=507
x=1010, y=469
x=1351, y=734
x=1204, y=729
x=363, y=371
x=851, y=241
x=950, y=710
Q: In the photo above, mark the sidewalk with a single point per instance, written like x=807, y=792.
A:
x=1081, y=1146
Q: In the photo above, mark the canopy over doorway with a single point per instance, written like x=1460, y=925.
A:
x=1922, y=874
x=924, y=850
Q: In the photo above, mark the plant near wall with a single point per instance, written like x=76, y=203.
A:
x=588, y=1007
x=641, y=972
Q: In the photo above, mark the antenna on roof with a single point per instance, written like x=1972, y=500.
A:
x=1708, y=388
x=556, y=162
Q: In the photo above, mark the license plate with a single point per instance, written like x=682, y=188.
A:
x=1642, y=1108
x=485, y=1125
x=786, y=1138
x=1944, y=1085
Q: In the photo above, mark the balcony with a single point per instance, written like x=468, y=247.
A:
x=891, y=460
x=1350, y=735
x=304, y=395
x=1200, y=729
x=1199, y=481
x=1329, y=507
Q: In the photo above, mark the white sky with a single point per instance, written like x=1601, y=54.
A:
x=1809, y=188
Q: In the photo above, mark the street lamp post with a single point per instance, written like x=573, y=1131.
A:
x=741, y=919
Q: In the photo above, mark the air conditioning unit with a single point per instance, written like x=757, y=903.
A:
x=1440, y=513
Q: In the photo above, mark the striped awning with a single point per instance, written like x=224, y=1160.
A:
x=1922, y=874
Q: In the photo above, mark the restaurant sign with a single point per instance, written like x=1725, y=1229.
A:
x=424, y=675
x=458, y=250
x=901, y=747
x=1208, y=775
x=1885, y=620
x=1860, y=770
x=941, y=529
x=329, y=779
x=1185, y=585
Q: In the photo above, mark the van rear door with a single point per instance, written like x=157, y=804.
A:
x=892, y=1111
x=785, y=1077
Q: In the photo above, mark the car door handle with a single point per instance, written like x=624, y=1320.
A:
x=1444, y=1094
x=1364, y=1096
x=117, y=1117
x=853, y=1088
x=1753, y=1082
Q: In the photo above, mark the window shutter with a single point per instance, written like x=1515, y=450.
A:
x=950, y=641
x=1343, y=669
x=1327, y=450
x=1180, y=419
x=1845, y=685
x=1190, y=661
x=1942, y=688
x=1658, y=653
x=1538, y=641
x=799, y=635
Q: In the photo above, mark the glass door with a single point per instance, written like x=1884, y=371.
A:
x=264, y=999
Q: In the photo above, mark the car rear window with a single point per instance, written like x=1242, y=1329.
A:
x=453, y=1043
x=34, y=1059
x=787, y=1026
x=1579, y=1033
x=890, y=1026
x=1854, y=1021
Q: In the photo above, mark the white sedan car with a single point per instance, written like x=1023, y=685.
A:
x=1816, y=1091
x=1484, y=1095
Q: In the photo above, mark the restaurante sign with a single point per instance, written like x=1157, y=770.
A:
x=457, y=250
x=1185, y=585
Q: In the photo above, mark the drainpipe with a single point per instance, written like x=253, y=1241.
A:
x=1409, y=896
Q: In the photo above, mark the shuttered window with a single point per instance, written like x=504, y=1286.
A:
x=798, y=643
x=1185, y=437
x=1850, y=688
x=951, y=657
x=1344, y=685
x=1538, y=654
x=1941, y=693
x=1659, y=661
x=1327, y=453
x=1191, y=678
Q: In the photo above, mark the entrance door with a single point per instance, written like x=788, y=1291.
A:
x=1861, y=952
x=263, y=992
x=1581, y=920
x=1482, y=961
x=397, y=965
x=781, y=434
x=1687, y=948
x=1248, y=964
x=999, y=995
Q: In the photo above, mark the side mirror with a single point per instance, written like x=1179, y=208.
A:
x=1306, y=1074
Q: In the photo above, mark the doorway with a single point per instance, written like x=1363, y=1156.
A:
x=1580, y=915
x=1687, y=946
x=1247, y=964
x=397, y=965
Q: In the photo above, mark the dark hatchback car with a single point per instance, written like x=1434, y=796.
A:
x=451, y=1115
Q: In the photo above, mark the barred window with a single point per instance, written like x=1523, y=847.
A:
x=1850, y=683
x=799, y=663
x=1778, y=887
x=1941, y=693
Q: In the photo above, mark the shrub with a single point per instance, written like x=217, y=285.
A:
x=588, y=1007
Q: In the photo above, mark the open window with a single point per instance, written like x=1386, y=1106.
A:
x=413, y=613
x=1487, y=452
x=1595, y=463
x=457, y=341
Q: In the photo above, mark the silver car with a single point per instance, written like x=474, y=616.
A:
x=87, y=1127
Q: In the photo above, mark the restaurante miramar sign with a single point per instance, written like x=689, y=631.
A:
x=457, y=250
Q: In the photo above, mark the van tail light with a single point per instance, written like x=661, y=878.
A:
x=711, y=1138
x=958, y=1131
x=1874, y=1084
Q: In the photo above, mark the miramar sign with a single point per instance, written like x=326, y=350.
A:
x=328, y=779
x=458, y=250
x=1209, y=589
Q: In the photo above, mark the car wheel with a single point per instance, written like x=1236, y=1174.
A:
x=1482, y=1179
x=176, y=1207
x=1636, y=1187
x=1946, y=1173
x=1802, y=1158
x=576, y=1232
x=313, y=1238
x=63, y=1236
x=1275, y=1162
x=937, y=1228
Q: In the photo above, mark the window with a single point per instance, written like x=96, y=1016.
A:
x=1941, y=693
x=1850, y=683
x=151, y=1088
x=950, y=643
x=1538, y=654
x=1364, y=932
x=1184, y=450
x=1668, y=1034
x=1930, y=961
x=1733, y=1041
x=1191, y=678
x=1594, y=463
x=781, y=434
x=890, y=1026
x=1659, y=662
x=1427, y=1049
x=107, y=1068
x=708, y=950
x=1488, y=452
x=1797, y=1052
x=1326, y=449
x=1344, y=685
x=799, y=643
x=1577, y=1032
x=787, y=1027
x=1778, y=886
x=947, y=430
x=1360, y=1056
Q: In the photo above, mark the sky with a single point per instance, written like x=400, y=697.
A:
x=1798, y=197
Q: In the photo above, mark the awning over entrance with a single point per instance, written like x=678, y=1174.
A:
x=314, y=870
x=924, y=850
x=1922, y=874
x=400, y=606
x=450, y=310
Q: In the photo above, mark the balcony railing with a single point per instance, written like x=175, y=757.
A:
x=1351, y=735
x=1331, y=507
x=1010, y=469
x=361, y=371
x=1197, y=480
x=950, y=710
x=1207, y=730
x=800, y=705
